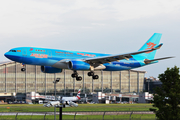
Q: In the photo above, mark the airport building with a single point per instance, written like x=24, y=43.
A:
x=12, y=79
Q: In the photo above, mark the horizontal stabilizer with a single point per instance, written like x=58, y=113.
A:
x=146, y=61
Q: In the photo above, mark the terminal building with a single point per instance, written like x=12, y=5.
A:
x=12, y=79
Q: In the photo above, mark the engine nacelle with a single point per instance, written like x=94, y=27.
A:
x=48, y=69
x=78, y=65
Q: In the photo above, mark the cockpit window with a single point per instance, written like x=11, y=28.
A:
x=12, y=51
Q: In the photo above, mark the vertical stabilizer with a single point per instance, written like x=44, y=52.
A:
x=151, y=43
x=78, y=94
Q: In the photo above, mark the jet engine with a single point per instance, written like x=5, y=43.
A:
x=48, y=69
x=78, y=65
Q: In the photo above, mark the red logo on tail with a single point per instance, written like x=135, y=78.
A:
x=150, y=46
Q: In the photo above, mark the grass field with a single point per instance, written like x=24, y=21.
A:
x=81, y=107
x=83, y=117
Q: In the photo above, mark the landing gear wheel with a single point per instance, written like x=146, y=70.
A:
x=95, y=76
x=79, y=78
x=23, y=69
x=90, y=73
x=74, y=75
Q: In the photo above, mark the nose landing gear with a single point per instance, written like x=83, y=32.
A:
x=23, y=67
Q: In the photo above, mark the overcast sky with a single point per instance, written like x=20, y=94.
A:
x=104, y=26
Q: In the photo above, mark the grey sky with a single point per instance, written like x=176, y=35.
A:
x=105, y=26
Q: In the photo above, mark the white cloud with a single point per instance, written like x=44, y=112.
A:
x=107, y=26
x=98, y=24
x=131, y=9
x=44, y=18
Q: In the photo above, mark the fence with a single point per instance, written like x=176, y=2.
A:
x=141, y=115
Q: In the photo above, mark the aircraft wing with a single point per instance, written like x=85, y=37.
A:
x=106, y=59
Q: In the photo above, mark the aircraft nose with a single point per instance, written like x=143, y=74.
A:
x=6, y=55
x=11, y=56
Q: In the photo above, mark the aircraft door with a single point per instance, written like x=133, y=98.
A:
x=24, y=52
x=49, y=54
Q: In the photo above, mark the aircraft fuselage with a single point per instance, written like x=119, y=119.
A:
x=54, y=60
x=49, y=57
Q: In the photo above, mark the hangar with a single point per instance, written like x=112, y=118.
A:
x=12, y=79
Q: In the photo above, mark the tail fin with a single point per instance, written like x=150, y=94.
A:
x=78, y=94
x=151, y=43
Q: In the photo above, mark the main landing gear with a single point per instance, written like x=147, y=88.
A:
x=92, y=74
x=75, y=75
x=79, y=78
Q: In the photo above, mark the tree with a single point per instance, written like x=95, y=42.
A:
x=167, y=97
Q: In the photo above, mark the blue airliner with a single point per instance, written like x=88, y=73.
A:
x=54, y=60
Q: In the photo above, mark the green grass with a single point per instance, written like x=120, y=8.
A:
x=81, y=107
x=82, y=117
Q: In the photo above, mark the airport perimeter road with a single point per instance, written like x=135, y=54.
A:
x=77, y=113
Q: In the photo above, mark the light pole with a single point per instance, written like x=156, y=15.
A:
x=55, y=81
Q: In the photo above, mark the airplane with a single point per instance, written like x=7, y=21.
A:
x=65, y=101
x=54, y=60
